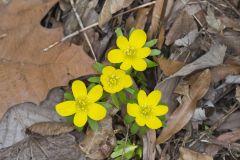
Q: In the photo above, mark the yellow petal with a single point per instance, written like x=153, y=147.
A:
x=143, y=52
x=142, y=98
x=79, y=89
x=133, y=109
x=122, y=42
x=153, y=122
x=127, y=81
x=108, y=89
x=96, y=111
x=126, y=65
x=160, y=110
x=154, y=98
x=108, y=70
x=66, y=108
x=140, y=120
x=139, y=64
x=115, y=56
x=80, y=119
x=95, y=93
x=138, y=38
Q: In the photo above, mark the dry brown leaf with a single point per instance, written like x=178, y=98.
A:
x=184, y=112
x=213, y=57
x=182, y=25
x=99, y=144
x=141, y=18
x=227, y=138
x=26, y=72
x=220, y=72
x=169, y=66
x=62, y=147
x=50, y=128
x=157, y=15
x=110, y=7
x=187, y=154
x=149, y=145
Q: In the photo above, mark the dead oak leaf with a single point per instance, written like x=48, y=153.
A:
x=26, y=73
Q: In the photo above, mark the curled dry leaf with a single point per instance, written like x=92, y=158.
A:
x=50, y=128
x=227, y=138
x=62, y=147
x=149, y=145
x=21, y=116
x=187, y=154
x=99, y=144
x=213, y=57
x=169, y=66
x=110, y=7
x=26, y=72
x=184, y=112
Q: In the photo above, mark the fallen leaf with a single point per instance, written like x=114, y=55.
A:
x=188, y=39
x=233, y=23
x=26, y=72
x=182, y=25
x=184, y=112
x=169, y=66
x=62, y=147
x=233, y=79
x=21, y=116
x=50, y=128
x=220, y=72
x=99, y=144
x=213, y=22
x=158, y=14
x=187, y=154
x=141, y=17
x=213, y=57
x=149, y=145
x=228, y=137
x=110, y=7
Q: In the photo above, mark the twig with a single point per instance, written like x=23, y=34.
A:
x=217, y=124
x=123, y=152
x=82, y=26
x=233, y=8
x=3, y=35
x=94, y=25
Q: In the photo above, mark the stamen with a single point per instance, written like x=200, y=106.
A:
x=130, y=52
x=145, y=110
x=82, y=103
x=113, y=80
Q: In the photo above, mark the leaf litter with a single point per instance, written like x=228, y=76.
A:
x=198, y=66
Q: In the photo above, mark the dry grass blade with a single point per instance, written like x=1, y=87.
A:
x=184, y=112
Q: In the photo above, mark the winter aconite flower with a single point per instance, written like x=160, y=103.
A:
x=84, y=105
x=114, y=80
x=147, y=110
x=131, y=53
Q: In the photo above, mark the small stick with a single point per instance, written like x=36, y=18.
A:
x=94, y=25
x=84, y=33
x=3, y=35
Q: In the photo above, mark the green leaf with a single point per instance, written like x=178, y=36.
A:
x=98, y=67
x=155, y=52
x=69, y=119
x=128, y=119
x=115, y=100
x=122, y=97
x=90, y=86
x=94, y=79
x=150, y=63
x=151, y=43
x=131, y=90
x=79, y=129
x=68, y=96
x=143, y=130
x=134, y=128
x=106, y=105
x=93, y=124
x=132, y=29
x=139, y=152
x=127, y=149
x=119, y=32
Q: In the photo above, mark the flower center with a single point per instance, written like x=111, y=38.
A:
x=82, y=104
x=113, y=80
x=130, y=52
x=145, y=110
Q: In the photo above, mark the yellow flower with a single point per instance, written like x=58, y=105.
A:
x=132, y=52
x=84, y=105
x=147, y=110
x=114, y=80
